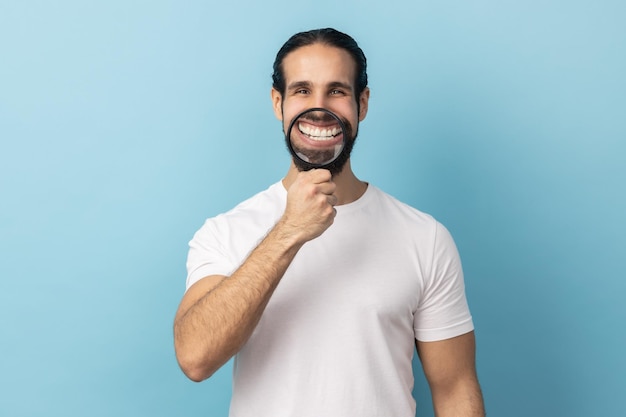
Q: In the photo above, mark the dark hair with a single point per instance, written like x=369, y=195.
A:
x=329, y=37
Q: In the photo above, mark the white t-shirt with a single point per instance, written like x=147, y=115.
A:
x=338, y=335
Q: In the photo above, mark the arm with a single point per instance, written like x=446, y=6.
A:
x=218, y=314
x=449, y=366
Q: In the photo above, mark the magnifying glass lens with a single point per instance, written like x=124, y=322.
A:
x=316, y=137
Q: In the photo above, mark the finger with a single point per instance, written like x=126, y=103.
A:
x=320, y=175
x=327, y=188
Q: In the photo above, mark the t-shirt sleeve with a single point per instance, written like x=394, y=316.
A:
x=443, y=311
x=206, y=254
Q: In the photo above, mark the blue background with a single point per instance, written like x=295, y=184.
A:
x=124, y=124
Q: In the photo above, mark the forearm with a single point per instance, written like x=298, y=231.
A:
x=218, y=323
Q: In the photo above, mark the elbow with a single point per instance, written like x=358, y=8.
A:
x=194, y=370
x=197, y=358
x=195, y=374
x=195, y=367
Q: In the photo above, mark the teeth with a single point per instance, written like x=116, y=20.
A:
x=317, y=133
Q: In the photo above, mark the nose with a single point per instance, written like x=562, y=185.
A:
x=320, y=100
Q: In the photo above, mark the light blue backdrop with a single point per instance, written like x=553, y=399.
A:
x=124, y=124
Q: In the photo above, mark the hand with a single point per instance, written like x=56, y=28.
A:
x=310, y=204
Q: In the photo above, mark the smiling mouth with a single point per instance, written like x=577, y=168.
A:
x=319, y=134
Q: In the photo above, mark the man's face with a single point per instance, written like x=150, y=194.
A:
x=321, y=76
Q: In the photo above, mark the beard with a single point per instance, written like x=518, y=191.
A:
x=316, y=159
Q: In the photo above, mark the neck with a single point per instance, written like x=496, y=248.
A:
x=349, y=187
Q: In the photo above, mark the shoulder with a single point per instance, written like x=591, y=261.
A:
x=258, y=212
x=222, y=241
x=274, y=195
x=399, y=210
x=409, y=221
x=261, y=205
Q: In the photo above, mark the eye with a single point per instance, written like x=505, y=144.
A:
x=336, y=92
x=302, y=91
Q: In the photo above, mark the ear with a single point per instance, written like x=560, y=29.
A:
x=363, y=102
x=277, y=103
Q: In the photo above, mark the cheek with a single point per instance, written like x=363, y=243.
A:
x=347, y=110
x=289, y=109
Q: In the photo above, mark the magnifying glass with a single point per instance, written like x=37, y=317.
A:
x=316, y=137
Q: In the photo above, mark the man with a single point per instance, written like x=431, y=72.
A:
x=322, y=285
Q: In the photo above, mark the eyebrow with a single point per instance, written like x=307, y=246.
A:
x=298, y=84
x=306, y=84
x=339, y=84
